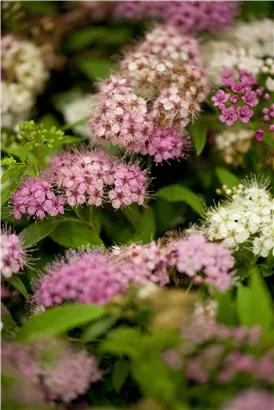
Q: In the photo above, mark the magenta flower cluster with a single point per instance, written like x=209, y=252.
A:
x=157, y=87
x=93, y=177
x=36, y=198
x=186, y=16
x=199, y=259
x=268, y=116
x=13, y=255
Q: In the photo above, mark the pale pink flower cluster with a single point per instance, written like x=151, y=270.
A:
x=186, y=16
x=141, y=264
x=71, y=376
x=93, y=177
x=66, y=376
x=13, y=255
x=157, y=86
x=36, y=198
x=199, y=259
x=251, y=400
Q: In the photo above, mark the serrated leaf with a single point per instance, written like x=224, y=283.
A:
x=16, y=282
x=58, y=320
x=75, y=235
x=38, y=231
x=227, y=178
x=95, y=69
x=14, y=173
x=198, y=133
x=120, y=373
x=179, y=193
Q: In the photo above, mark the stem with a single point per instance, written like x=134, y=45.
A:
x=91, y=222
x=149, y=161
x=75, y=220
x=189, y=287
x=74, y=124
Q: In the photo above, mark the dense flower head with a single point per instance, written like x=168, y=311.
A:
x=36, y=198
x=195, y=256
x=251, y=400
x=246, y=216
x=81, y=277
x=71, y=376
x=143, y=264
x=166, y=42
x=93, y=177
x=23, y=76
x=233, y=143
x=186, y=16
x=13, y=256
x=167, y=143
x=120, y=117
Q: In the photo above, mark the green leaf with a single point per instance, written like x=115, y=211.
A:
x=255, y=9
x=23, y=152
x=227, y=178
x=75, y=235
x=8, y=190
x=133, y=215
x=254, y=304
x=120, y=373
x=98, y=328
x=40, y=7
x=13, y=173
x=95, y=69
x=7, y=320
x=58, y=320
x=147, y=228
x=70, y=139
x=39, y=230
x=179, y=193
x=269, y=140
x=198, y=132
x=49, y=121
x=16, y=282
x=226, y=309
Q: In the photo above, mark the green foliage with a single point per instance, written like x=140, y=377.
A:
x=179, y=193
x=16, y=282
x=227, y=178
x=146, y=231
x=39, y=230
x=120, y=373
x=99, y=328
x=95, y=69
x=198, y=132
x=40, y=136
x=58, y=320
x=75, y=235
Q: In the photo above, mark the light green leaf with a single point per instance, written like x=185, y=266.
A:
x=70, y=139
x=98, y=328
x=95, y=69
x=48, y=121
x=16, y=282
x=38, y=231
x=227, y=178
x=7, y=320
x=179, y=193
x=23, y=152
x=58, y=320
x=8, y=190
x=198, y=133
x=75, y=235
x=269, y=140
x=13, y=173
x=120, y=373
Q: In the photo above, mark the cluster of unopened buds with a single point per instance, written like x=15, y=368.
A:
x=159, y=89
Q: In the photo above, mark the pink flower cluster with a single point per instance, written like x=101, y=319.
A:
x=251, y=400
x=186, y=16
x=66, y=376
x=92, y=277
x=71, y=376
x=13, y=255
x=166, y=143
x=268, y=115
x=169, y=90
x=121, y=117
x=36, y=198
x=93, y=177
x=141, y=264
x=197, y=258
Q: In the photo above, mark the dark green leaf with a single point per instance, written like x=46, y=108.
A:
x=269, y=140
x=16, y=282
x=179, y=193
x=95, y=69
x=38, y=231
x=49, y=121
x=58, y=320
x=75, y=235
x=147, y=228
x=120, y=373
x=133, y=214
x=227, y=178
x=7, y=320
x=198, y=132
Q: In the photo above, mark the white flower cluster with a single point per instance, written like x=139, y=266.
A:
x=268, y=69
x=246, y=216
x=243, y=46
x=78, y=107
x=233, y=142
x=24, y=76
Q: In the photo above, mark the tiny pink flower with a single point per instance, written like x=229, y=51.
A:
x=220, y=97
x=250, y=98
x=244, y=113
x=228, y=116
